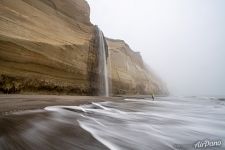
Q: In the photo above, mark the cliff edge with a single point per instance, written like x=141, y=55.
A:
x=129, y=73
x=46, y=46
x=49, y=46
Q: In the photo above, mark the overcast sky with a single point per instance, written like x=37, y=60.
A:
x=182, y=40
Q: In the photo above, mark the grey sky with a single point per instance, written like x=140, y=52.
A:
x=182, y=40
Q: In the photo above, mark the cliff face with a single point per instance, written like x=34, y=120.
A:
x=129, y=74
x=46, y=45
x=50, y=46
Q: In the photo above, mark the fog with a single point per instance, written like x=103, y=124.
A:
x=182, y=40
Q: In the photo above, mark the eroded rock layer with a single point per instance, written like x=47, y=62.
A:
x=129, y=73
x=46, y=45
x=50, y=46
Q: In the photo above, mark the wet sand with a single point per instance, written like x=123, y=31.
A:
x=133, y=123
x=16, y=103
x=25, y=125
x=40, y=131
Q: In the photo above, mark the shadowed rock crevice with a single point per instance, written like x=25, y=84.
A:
x=92, y=64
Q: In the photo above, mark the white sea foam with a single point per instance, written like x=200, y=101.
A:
x=143, y=124
x=99, y=138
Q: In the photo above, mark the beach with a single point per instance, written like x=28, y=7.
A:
x=15, y=103
x=22, y=114
x=116, y=123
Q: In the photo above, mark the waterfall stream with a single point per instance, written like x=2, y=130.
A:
x=103, y=72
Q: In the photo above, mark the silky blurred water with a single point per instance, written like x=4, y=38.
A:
x=168, y=123
x=164, y=124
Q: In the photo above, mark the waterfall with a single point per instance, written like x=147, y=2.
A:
x=102, y=61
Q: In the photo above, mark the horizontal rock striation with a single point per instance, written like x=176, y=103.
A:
x=46, y=45
x=129, y=74
x=50, y=46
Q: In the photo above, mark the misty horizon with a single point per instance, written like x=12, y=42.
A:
x=182, y=41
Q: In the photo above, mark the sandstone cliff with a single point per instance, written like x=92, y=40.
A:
x=46, y=45
x=129, y=73
x=50, y=46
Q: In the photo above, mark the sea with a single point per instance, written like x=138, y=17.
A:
x=166, y=123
